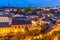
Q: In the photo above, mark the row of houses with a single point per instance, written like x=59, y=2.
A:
x=10, y=24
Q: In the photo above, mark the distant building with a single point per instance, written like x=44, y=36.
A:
x=18, y=22
x=5, y=25
x=4, y=22
x=10, y=24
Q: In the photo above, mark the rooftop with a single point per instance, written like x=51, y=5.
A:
x=20, y=21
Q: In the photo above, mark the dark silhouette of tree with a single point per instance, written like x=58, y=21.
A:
x=44, y=27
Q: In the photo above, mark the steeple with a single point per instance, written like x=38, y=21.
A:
x=9, y=9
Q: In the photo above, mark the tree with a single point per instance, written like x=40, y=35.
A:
x=19, y=35
x=14, y=38
x=47, y=37
x=55, y=33
x=44, y=27
x=8, y=36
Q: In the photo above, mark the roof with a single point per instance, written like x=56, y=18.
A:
x=20, y=21
x=4, y=24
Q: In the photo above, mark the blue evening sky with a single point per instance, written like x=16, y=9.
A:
x=32, y=3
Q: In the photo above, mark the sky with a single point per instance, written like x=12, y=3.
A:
x=30, y=3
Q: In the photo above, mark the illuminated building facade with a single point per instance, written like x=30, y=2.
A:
x=19, y=22
x=10, y=24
